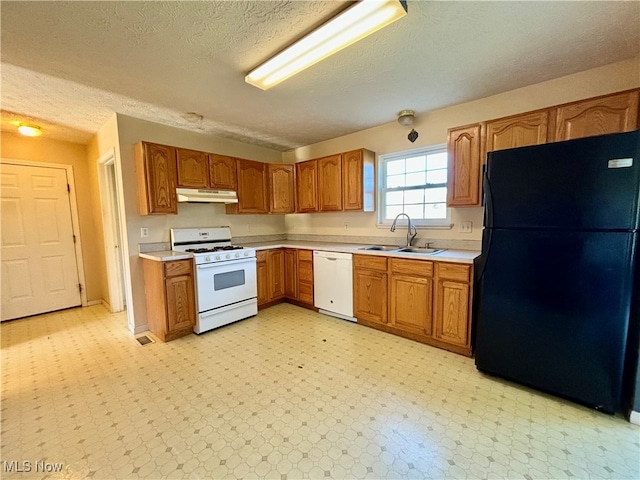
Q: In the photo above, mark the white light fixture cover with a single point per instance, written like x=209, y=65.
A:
x=29, y=130
x=355, y=23
x=406, y=117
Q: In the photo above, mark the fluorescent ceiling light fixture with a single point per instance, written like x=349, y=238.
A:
x=29, y=130
x=355, y=23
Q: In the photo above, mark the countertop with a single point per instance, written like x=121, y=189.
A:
x=165, y=255
x=457, y=256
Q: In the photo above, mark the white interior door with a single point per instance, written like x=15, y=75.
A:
x=39, y=265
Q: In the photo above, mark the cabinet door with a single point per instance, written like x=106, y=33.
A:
x=330, y=183
x=291, y=273
x=464, y=164
x=193, y=168
x=281, y=188
x=518, y=131
x=305, y=277
x=222, y=172
x=306, y=186
x=370, y=295
x=252, y=187
x=275, y=267
x=452, y=312
x=262, y=277
x=156, y=172
x=597, y=116
x=358, y=181
x=411, y=303
x=180, y=303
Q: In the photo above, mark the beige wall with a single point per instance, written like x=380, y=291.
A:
x=42, y=149
x=105, y=141
x=130, y=132
x=432, y=127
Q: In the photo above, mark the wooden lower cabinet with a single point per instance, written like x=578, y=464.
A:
x=270, y=275
x=422, y=300
x=291, y=273
x=305, y=277
x=285, y=274
x=411, y=295
x=370, y=288
x=452, y=313
x=170, y=297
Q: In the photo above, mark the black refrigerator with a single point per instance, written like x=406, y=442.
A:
x=559, y=279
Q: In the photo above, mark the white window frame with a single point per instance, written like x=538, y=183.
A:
x=441, y=223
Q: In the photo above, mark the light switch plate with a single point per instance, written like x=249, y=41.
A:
x=466, y=227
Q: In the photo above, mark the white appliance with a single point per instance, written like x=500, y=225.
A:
x=226, y=279
x=333, y=284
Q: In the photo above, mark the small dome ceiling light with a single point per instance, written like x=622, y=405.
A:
x=406, y=117
x=29, y=130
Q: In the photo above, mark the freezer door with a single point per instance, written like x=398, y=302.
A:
x=554, y=312
x=586, y=184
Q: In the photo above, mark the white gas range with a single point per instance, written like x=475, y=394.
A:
x=226, y=285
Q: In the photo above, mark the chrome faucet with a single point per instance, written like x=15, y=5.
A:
x=410, y=236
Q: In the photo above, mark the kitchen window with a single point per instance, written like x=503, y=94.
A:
x=414, y=182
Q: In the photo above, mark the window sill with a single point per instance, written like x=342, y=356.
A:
x=443, y=226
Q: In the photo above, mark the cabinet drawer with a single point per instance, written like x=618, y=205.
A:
x=305, y=255
x=178, y=267
x=305, y=271
x=261, y=256
x=454, y=271
x=412, y=267
x=305, y=293
x=370, y=262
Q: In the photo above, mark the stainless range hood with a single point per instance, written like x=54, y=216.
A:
x=195, y=195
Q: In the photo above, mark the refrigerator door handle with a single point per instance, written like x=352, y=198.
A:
x=488, y=223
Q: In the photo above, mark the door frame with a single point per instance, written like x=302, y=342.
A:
x=112, y=230
x=73, y=207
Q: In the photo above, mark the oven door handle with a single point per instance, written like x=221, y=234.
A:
x=229, y=262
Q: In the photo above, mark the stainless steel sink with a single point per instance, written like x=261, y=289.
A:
x=391, y=248
x=424, y=250
x=384, y=248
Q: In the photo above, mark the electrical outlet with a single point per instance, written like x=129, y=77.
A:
x=346, y=226
x=144, y=232
x=466, y=227
x=248, y=227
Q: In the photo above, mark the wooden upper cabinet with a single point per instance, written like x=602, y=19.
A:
x=252, y=188
x=281, y=188
x=597, y=116
x=307, y=186
x=330, y=183
x=193, y=168
x=156, y=177
x=222, y=172
x=358, y=181
x=517, y=131
x=464, y=164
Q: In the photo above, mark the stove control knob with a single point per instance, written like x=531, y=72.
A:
x=217, y=257
x=207, y=258
x=237, y=255
x=228, y=255
x=246, y=254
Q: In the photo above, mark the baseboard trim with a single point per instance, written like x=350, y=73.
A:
x=634, y=417
x=140, y=329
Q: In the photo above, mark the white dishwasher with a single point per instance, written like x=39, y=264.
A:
x=333, y=284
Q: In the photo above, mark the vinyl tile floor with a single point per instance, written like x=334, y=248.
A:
x=288, y=394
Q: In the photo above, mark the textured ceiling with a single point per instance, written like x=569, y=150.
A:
x=70, y=65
